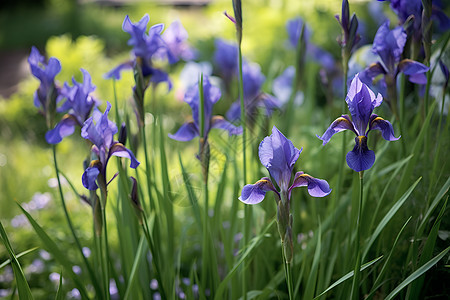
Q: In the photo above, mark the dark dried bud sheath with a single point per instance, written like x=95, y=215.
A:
x=123, y=134
x=237, y=8
x=134, y=197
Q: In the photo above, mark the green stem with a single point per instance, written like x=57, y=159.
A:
x=247, y=208
x=356, y=274
x=288, y=274
x=72, y=229
x=205, y=240
x=147, y=168
x=105, y=247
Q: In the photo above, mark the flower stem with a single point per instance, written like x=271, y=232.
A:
x=247, y=208
x=105, y=247
x=288, y=275
x=356, y=273
x=69, y=222
x=205, y=245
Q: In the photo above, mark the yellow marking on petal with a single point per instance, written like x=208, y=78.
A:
x=262, y=181
x=360, y=139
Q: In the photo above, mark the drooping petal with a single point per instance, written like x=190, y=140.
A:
x=340, y=124
x=64, y=128
x=255, y=193
x=415, y=70
x=89, y=177
x=187, y=132
x=278, y=155
x=360, y=158
x=115, y=73
x=220, y=123
x=118, y=149
x=373, y=70
x=387, y=131
x=316, y=187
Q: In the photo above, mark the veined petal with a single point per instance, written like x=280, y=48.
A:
x=187, y=132
x=90, y=176
x=118, y=149
x=316, y=187
x=340, y=124
x=374, y=70
x=255, y=193
x=387, y=131
x=278, y=155
x=220, y=123
x=64, y=128
x=360, y=158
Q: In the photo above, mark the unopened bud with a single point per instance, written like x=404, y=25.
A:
x=134, y=197
x=123, y=134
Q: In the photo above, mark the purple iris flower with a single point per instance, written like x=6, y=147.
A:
x=361, y=101
x=79, y=103
x=294, y=30
x=282, y=87
x=100, y=131
x=389, y=44
x=253, y=80
x=226, y=59
x=279, y=156
x=47, y=93
x=146, y=47
x=175, y=37
x=191, y=129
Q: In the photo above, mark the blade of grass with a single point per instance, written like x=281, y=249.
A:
x=389, y=216
x=419, y=272
x=312, y=278
x=433, y=205
x=246, y=256
x=59, y=292
x=142, y=248
x=427, y=253
x=8, y=261
x=384, y=269
x=348, y=276
x=191, y=195
x=21, y=281
x=58, y=254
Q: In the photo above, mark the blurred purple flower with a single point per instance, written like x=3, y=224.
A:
x=46, y=96
x=191, y=129
x=389, y=45
x=279, y=156
x=361, y=101
x=79, y=103
x=175, y=37
x=226, y=59
x=253, y=80
x=100, y=131
x=282, y=87
x=294, y=30
x=146, y=47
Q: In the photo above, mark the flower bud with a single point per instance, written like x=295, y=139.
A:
x=123, y=134
x=134, y=197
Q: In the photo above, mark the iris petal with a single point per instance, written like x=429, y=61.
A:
x=120, y=150
x=278, y=155
x=89, y=177
x=316, y=187
x=387, y=131
x=64, y=128
x=255, y=193
x=187, y=132
x=360, y=158
x=220, y=123
x=340, y=124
